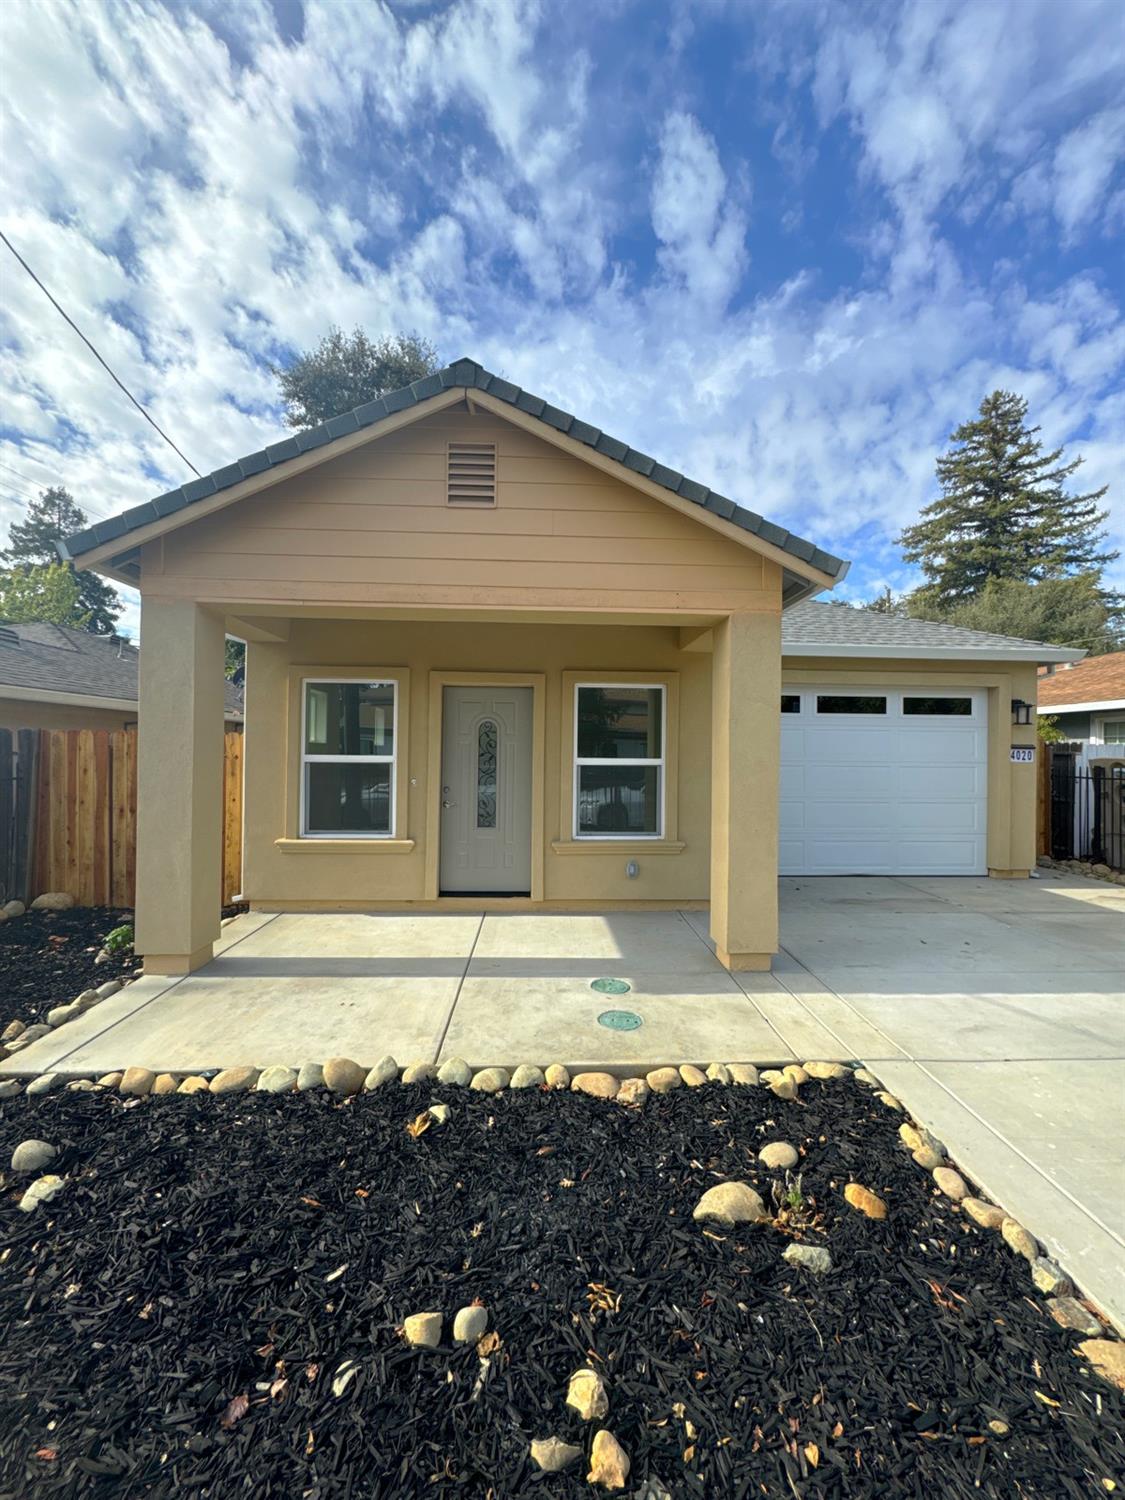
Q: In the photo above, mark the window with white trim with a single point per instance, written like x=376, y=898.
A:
x=1113, y=731
x=619, y=746
x=348, y=758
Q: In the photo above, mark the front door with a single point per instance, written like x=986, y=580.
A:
x=486, y=791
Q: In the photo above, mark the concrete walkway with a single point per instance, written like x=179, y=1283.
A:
x=994, y=1009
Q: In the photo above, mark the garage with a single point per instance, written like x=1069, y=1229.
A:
x=883, y=781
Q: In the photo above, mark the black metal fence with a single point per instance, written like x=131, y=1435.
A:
x=19, y=751
x=1088, y=812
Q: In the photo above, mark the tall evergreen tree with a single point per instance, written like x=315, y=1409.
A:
x=42, y=592
x=31, y=543
x=343, y=372
x=1004, y=512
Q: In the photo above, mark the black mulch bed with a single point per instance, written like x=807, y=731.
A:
x=47, y=959
x=211, y=1251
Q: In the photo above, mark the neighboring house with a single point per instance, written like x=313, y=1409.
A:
x=1087, y=699
x=52, y=677
x=498, y=658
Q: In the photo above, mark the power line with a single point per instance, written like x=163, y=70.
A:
x=19, y=475
x=117, y=380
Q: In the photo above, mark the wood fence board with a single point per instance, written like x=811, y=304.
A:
x=232, y=816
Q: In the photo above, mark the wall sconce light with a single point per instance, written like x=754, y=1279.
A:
x=632, y=869
x=1021, y=711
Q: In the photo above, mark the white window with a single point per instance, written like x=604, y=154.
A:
x=1113, y=731
x=348, y=758
x=619, y=738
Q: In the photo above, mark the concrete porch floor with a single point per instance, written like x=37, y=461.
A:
x=994, y=1009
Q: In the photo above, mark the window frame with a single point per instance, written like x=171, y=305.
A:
x=305, y=759
x=649, y=684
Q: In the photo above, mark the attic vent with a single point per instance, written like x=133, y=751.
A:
x=8, y=637
x=472, y=474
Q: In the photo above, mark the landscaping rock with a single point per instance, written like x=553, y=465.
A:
x=28, y=1035
x=385, y=1071
x=663, y=1080
x=778, y=1154
x=419, y=1071
x=552, y=1455
x=730, y=1203
x=59, y=1015
x=1017, y=1238
x=1068, y=1312
x=455, y=1070
x=234, y=1080
x=33, y=1156
x=784, y=1088
x=423, y=1330
x=82, y=1086
x=814, y=1258
x=53, y=901
x=865, y=1075
x=889, y=1100
x=796, y=1072
x=952, y=1184
x=745, y=1074
x=310, y=1075
x=12, y=909
x=987, y=1215
x=691, y=1075
x=928, y=1158
x=85, y=1001
x=42, y=1190
x=1050, y=1277
x=110, y=987
x=1107, y=1357
x=110, y=1080
x=586, y=1394
x=194, y=1084
x=470, y=1324
x=599, y=1085
x=277, y=1079
x=46, y=1083
x=915, y=1137
x=527, y=1076
x=489, y=1080
x=718, y=1073
x=164, y=1083
x=609, y=1463
x=439, y=1113
x=9, y=1088
x=865, y=1201
x=343, y=1076
x=12, y=1030
x=557, y=1077
x=633, y=1091
x=828, y=1072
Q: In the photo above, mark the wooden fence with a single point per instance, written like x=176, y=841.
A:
x=73, y=801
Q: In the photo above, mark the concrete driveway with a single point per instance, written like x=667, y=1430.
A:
x=995, y=1010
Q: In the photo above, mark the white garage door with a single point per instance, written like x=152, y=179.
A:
x=878, y=781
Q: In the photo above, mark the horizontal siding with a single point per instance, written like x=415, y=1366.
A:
x=375, y=522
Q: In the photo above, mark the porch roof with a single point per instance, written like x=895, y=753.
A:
x=464, y=374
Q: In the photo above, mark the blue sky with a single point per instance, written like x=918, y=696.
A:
x=785, y=247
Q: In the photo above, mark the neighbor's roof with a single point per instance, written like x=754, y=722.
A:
x=815, y=629
x=54, y=659
x=466, y=374
x=1098, y=681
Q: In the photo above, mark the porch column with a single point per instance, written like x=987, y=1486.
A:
x=179, y=785
x=745, y=753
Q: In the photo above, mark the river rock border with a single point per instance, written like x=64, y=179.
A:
x=1092, y=870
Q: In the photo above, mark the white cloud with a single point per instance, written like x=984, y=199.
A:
x=701, y=233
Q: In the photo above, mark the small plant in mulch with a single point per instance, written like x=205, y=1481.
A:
x=120, y=940
x=214, y=1305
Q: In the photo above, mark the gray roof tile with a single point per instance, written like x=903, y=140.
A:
x=465, y=373
x=813, y=623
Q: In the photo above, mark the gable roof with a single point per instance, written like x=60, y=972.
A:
x=1096, y=682
x=462, y=374
x=45, y=659
x=815, y=629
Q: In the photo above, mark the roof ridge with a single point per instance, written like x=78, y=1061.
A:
x=468, y=374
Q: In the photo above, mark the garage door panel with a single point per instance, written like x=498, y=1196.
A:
x=882, y=795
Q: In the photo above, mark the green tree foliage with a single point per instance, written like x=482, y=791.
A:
x=48, y=593
x=236, y=656
x=343, y=372
x=1064, y=611
x=1004, y=511
x=886, y=603
x=31, y=542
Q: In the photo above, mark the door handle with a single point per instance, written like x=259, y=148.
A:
x=447, y=804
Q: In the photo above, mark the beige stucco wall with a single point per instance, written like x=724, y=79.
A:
x=23, y=714
x=1011, y=788
x=296, y=871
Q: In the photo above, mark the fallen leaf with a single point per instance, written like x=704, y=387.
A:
x=362, y=1193
x=812, y=1453
x=236, y=1408
x=838, y=1430
x=311, y=1444
x=311, y=1372
x=689, y=1454
x=312, y=1202
x=488, y=1343
x=277, y=1388
x=48, y=1455
x=419, y=1124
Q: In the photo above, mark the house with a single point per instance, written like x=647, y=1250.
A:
x=1086, y=699
x=499, y=658
x=53, y=677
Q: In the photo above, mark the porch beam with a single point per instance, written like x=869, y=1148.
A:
x=745, y=756
x=179, y=785
x=264, y=628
